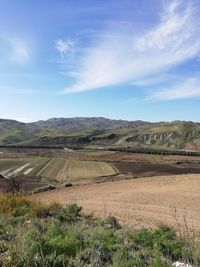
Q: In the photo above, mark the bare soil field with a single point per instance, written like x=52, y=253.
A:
x=143, y=202
x=145, y=169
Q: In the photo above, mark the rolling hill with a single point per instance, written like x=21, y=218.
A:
x=101, y=132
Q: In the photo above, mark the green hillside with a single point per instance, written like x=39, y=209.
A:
x=101, y=132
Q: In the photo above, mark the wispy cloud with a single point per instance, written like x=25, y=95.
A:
x=20, y=51
x=66, y=46
x=16, y=49
x=128, y=57
x=13, y=90
x=188, y=88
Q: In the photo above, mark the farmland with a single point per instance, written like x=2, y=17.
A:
x=21, y=166
x=110, y=184
x=62, y=169
x=147, y=202
x=38, y=167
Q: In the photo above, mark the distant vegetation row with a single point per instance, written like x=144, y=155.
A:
x=144, y=150
x=31, y=146
x=74, y=147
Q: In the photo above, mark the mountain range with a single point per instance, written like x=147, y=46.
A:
x=101, y=132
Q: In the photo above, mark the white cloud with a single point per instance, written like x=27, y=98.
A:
x=125, y=57
x=20, y=51
x=65, y=47
x=16, y=49
x=188, y=88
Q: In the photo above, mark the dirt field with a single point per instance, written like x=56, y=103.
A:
x=146, y=169
x=147, y=202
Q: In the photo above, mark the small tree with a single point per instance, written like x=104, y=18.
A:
x=13, y=183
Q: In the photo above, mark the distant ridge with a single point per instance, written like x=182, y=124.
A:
x=95, y=131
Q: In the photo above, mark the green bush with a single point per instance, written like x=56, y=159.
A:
x=162, y=240
x=112, y=222
x=158, y=262
x=43, y=189
x=70, y=213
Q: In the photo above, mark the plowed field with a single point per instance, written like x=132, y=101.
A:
x=148, y=202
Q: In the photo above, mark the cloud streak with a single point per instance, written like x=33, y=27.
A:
x=188, y=88
x=19, y=51
x=129, y=57
x=16, y=49
x=14, y=90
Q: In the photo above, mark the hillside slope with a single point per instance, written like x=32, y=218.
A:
x=101, y=132
x=174, y=135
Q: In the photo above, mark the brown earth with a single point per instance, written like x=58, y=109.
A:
x=26, y=183
x=146, y=169
x=143, y=202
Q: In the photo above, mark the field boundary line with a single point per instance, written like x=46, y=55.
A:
x=114, y=168
x=44, y=167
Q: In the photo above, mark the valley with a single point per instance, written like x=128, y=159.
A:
x=38, y=167
x=132, y=168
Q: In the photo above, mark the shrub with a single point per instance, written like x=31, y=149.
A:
x=165, y=240
x=112, y=222
x=124, y=258
x=67, y=240
x=104, y=244
x=70, y=213
x=162, y=240
x=45, y=244
x=66, y=184
x=159, y=262
x=44, y=189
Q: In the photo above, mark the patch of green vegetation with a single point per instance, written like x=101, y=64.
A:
x=32, y=234
x=13, y=135
x=6, y=164
x=43, y=189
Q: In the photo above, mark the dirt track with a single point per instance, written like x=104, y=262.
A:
x=140, y=202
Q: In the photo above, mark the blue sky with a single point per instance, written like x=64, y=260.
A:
x=118, y=59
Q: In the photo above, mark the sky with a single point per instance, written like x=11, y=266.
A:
x=119, y=59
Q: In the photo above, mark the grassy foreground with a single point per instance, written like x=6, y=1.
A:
x=32, y=234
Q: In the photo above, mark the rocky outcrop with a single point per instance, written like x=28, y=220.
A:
x=154, y=138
